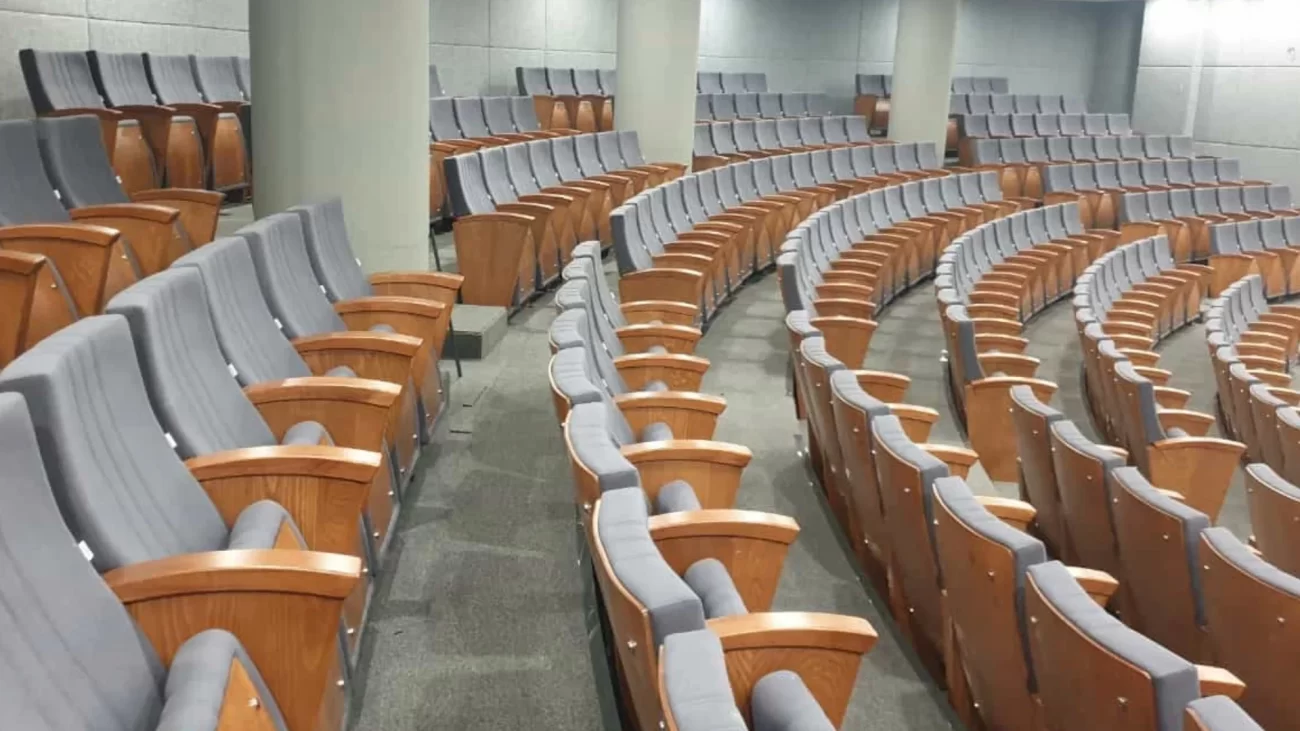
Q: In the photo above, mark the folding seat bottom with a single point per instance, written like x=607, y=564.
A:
x=264, y=524
x=199, y=678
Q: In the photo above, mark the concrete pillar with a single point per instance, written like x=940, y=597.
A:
x=342, y=110
x=658, y=44
x=923, y=59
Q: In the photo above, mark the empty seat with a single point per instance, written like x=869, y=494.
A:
x=755, y=82
x=608, y=81
x=769, y=106
x=61, y=82
x=733, y=83
x=261, y=663
x=550, y=111
x=435, y=82
x=218, y=81
x=225, y=152
x=794, y=105
x=708, y=82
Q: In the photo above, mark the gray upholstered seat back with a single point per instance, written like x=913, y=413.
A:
x=589, y=432
x=194, y=395
x=469, y=116
x=586, y=81
x=622, y=527
x=608, y=81
x=119, y=484
x=216, y=78
x=442, y=120
x=523, y=114
x=325, y=232
x=244, y=73
x=435, y=83
x=496, y=110
x=247, y=331
x=284, y=272
x=58, y=80
x=531, y=80
x=76, y=162
x=26, y=194
x=695, y=683
x=74, y=658
x=1173, y=679
x=121, y=78
x=172, y=79
x=561, y=81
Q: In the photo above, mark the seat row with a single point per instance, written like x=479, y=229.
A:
x=179, y=120
x=302, y=445
x=579, y=98
x=681, y=571
x=717, y=143
x=726, y=82
x=520, y=208
x=763, y=198
x=888, y=487
x=1042, y=125
x=874, y=90
x=60, y=198
x=1186, y=216
x=726, y=107
x=962, y=104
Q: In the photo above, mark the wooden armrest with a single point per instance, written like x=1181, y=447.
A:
x=675, y=338
x=1100, y=585
x=1015, y=513
x=751, y=545
x=825, y=650
x=680, y=372
x=996, y=326
x=381, y=356
x=80, y=232
x=1219, y=681
x=1171, y=398
x=1279, y=381
x=999, y=343
x=323, y=488
x=674, y=284
x=917, y=421
x=355, y=411
x=669, y=313
x=1194, y=423
x=436, y=286
x=284, y=606
x=1010, y=364
x=958, y=459
x=883, y=385
x=713, y=469
x=689, y=415
x=1145, y=358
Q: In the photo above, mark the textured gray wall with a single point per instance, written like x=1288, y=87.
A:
x=1226, y=72
x=213, y=27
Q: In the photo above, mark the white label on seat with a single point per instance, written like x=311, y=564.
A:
x=57, y=194
x=233, y=372
x=358, y=261
x=278, y=323
x=171, y=441
x=322, y=289
x=85, y=551
x=119, y=179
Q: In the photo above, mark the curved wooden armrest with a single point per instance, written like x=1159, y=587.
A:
x=382, y=356
x=824, y=649
x=140, y=211
x=284, y=606
x=1117, y=327
x=195, y=108
x=883, y=385
x=435, y=286
x=452, y=148
x=1100, y=585
x=917, y=421
x=323, y=488
x=675, y=338
x=661, y=282
x=82, y=232
x=669, y=313
x=355, y=411
x=230, y=107
x=680, y=372
x=688, y=415
x=137, y=110
x=751, y=545
x=399, y=309
x=988, y=311
x=1015, y=513
x=999, y=343
x=1010, y=364
x=101, y=112
x=517, y=219
x=854, y=309
x=1194, y=423
x=1219, y=681
x=713, y=469
x=1158, y=376
x=1144, y=358
x=1279, y=381
x=189, y=195
x=1290, y=396
x=958, y=459
x=1170, y=398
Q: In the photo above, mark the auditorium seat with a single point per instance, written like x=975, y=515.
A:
x=244, y=73
x=75, y=161
x=435, y=82
x=98, y=466
x=600, y=194
x=205, y=412
x=560, y=213
x=550, y=111
x=259, y=352
x=157, y=655
x=95, y=261
x=701, y=690
x=60, y=83
x=587, y=83
x=218, y=80
x=1274, y=503
x=499, y=120
x=35, y=300
x=1093, y=672
x=579, y=109
x=225, y=152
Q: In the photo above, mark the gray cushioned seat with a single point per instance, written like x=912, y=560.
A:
x=782, y=702
x=1173, y=679
x=381, y=327
x=284, y=272
x=259, y=525
x=58, y=80
x=26, y=194
x=624, y=533
x=77, y=163
x=589, y=433
x=695, y=683
x=656, y=386
x=122, y=78
x=676, y=497
x=61, y=676
x=325, y=233
x=307, y=433
x=656, y=432
x=709, y=579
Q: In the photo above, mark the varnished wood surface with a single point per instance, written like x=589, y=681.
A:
x=92, y=260
x=751, y=545
x=32, y=304
x=713, y=469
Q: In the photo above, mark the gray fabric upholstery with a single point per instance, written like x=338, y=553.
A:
x=216, y=78
x=307, y=433
x=58, y=80
x=589, y=436
x=1239, y=554
x=193, y=394
x=196, y=683
x=782, y=702
x=1173, y=679
x=676, y=497
x=1221, y=713
x=244, y=72
x=696, y=687
x=278, y=246
x=26, y=194
x=623, y=531
x=121, y=78
x=325, y=231
x=570, y=374
x=172, y=79
x=888, y=431
x=656, y=432
x=709, y=579
x=656, y=386
x=249, y=334
x=258, y=525
x=77, y=163
x=121, y=487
